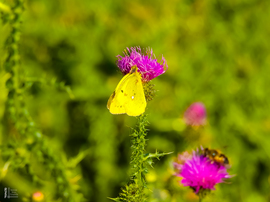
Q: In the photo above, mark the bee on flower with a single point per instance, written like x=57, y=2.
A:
x=200, y=172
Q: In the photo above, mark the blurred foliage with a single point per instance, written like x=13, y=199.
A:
x=217, y=52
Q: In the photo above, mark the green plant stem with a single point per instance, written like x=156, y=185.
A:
x=138, y=148
x=135, y=191
x=19, y=118
x=13, y=58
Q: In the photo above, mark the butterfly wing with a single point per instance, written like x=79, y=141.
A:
x=116, y=101
x=128, y=96
x=135, y=94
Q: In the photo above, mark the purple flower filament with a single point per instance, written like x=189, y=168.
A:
x=146, y=62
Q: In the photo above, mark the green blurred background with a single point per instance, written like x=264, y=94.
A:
x=217, y=52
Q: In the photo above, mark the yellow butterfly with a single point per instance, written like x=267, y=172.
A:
x=128, y=96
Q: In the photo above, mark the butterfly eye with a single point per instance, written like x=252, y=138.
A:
x=214, y=153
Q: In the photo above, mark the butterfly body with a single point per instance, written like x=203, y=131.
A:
x=128, y=96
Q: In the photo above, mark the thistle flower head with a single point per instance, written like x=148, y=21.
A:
x=195, y=115
x=200, y=173
x=146, y=62
x=181, y=159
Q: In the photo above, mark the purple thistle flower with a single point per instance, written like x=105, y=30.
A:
x=181, y=159
x=195, y=115
x=146, y=62
x=200, y=172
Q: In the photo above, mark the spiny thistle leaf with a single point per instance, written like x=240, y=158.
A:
x=156, y=155
x=115, y=199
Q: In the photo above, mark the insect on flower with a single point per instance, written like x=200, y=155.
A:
x=139, y=68
x=200, y=172
x=128, y=96
x=216, y=156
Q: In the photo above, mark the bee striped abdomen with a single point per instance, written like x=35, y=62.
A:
x=216, y=156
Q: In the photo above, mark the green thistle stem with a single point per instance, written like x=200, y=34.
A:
x=13, y=58
x=19, y=118
x=138, y=147
x=135, y=191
